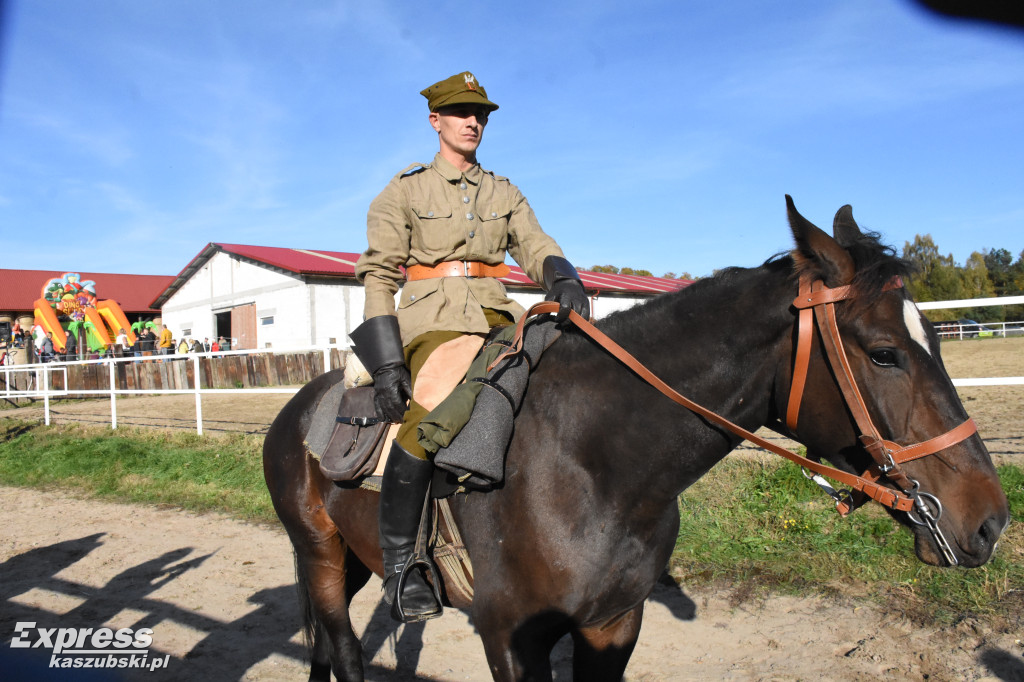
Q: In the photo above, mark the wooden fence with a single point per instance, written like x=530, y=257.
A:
x=177, y=372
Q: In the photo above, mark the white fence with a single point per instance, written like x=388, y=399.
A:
x=966, y=329
x=40, y=384
x=969, y=329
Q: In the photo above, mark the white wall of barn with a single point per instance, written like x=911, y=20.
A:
x=292, y=312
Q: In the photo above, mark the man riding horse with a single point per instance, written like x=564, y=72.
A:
x=442, y=229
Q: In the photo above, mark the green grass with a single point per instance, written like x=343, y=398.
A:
x=223, y=473
x=755, y=525
x=747, y=526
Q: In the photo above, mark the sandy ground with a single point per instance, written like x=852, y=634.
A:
x=219, y=597
x=219, y=594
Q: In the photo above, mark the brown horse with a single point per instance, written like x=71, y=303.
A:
x=586, y=520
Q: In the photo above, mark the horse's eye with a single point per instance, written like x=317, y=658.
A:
x=884, y=357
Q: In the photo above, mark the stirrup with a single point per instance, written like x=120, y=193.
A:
x=414, y=561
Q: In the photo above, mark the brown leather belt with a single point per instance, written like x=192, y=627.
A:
x=456, y=268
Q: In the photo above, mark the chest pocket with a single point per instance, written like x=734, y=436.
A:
x=494, y=227
x=432, y=231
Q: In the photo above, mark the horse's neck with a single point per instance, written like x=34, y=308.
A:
x=720, y=345
x=716, y=339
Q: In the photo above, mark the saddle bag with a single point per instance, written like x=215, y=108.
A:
x=354, y=447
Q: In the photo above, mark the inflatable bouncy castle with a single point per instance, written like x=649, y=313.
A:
x=68, y=305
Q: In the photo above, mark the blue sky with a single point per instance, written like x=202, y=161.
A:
x=649, y=134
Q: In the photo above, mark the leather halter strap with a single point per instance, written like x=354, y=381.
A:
x=866, y=485
x=886, y=454
x=809, y=298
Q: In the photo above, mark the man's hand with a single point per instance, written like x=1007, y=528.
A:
x=378, y=345
x=563, y=285
x=570, y=295
x=392, y=389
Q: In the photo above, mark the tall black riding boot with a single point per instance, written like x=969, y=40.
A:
x=402, y=492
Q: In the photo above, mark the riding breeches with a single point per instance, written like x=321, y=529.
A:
x=456, y=351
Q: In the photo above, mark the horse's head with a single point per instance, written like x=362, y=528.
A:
x=906, y=397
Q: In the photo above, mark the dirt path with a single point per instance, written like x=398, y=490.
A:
x=218, y=595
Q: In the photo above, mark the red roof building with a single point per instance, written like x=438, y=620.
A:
x=20, y=289
x=312, y=262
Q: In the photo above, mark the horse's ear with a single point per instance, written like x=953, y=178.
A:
x=818, y=252
x=845, y=228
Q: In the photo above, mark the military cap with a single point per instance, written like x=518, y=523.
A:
x=462, y=88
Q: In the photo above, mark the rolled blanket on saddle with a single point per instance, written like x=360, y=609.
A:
x=481, y=410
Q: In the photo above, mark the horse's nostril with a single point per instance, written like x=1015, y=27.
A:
x=988, y=534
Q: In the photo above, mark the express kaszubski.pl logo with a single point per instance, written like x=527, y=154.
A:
x=91, y=647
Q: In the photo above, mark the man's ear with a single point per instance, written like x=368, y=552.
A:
x=435, y=122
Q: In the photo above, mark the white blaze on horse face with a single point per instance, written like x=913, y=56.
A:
x=912, y=318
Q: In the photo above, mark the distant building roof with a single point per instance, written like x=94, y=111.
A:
x=341, y=264
x=20, y=289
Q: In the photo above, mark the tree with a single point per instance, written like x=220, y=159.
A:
x=923, y=254
x=936, y=277
x=612, y=270
x=987, y=274
x=999, y=263
x=977, y=284
x=1015, y=287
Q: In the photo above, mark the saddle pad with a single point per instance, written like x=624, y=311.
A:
x=470, y=431
x=321, y=426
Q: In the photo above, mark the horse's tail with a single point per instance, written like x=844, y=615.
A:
x=309, y=619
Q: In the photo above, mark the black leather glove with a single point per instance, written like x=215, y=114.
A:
x=392, y=388
x=377, y=342
x=564, y=286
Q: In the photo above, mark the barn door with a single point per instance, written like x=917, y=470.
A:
x=243, y=326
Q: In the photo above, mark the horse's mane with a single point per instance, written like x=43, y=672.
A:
x=695, y=300
x=876, y=265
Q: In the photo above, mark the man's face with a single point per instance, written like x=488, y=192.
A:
x=461, y=127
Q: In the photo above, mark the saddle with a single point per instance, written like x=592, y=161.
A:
x=467, y=431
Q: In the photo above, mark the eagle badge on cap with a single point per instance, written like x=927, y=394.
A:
x=470, y=81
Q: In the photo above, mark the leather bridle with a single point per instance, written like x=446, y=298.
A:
x=815, y=302
x=886, y=454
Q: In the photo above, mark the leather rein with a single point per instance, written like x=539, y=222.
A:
x=815, y=302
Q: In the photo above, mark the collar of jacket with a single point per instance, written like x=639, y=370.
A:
x=452, y=174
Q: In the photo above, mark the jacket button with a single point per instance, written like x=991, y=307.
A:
x=430, y=214
x=469, y=216
x=465, y=200
x=493, y=214
x=472, y=233
x=462, y=186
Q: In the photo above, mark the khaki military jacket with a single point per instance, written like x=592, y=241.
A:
x=433, y=213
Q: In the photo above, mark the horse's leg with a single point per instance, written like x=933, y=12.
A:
x=320, y=655
x=356, y=576
x=601, y=652
x=330, y=576
x=518, y=652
